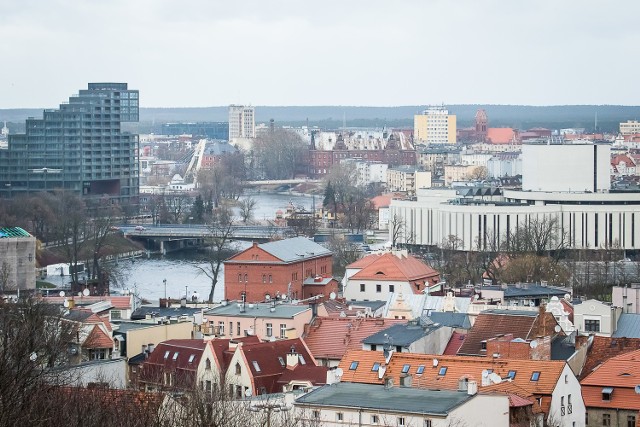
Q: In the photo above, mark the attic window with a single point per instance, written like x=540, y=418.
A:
x=443, y=371
x=380, y=272
x=535, y=376
x=256, y=366
x=353, y=366
x=420, y=370
x=166, y=354
x=606, y=394
x=281, y=360
x=301, y=359
x=193, y=356
x=483, y=345
x=175, y=356
x=405, y=368
x=511, y=375
x=376, y=366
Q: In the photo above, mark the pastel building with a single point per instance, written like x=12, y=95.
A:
x=434, y=126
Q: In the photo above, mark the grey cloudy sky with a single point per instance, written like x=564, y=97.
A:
x=330, y=52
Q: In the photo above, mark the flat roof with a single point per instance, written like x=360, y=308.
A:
x=280, y=311
x=377, y=397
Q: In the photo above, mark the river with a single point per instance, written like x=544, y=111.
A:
x=146, y=275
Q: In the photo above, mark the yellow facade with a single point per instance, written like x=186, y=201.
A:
x=435, y=126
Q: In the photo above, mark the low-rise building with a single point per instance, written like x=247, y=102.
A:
x=407, y=179
x=18, y=260
x=416, y=336
x=596, y=317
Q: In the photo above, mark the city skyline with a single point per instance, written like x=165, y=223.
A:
x=324, y=53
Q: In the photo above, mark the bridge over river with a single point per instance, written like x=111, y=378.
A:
x=172, y=237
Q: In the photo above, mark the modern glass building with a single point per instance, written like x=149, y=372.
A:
x=79, y=147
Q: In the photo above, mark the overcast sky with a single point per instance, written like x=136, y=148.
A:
x=344, y=52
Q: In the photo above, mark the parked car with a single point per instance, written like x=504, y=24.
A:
x=139, y=228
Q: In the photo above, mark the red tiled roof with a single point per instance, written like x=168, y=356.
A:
x=382, y=201
x=615, y=160
x=455, y=342
x=121, y=302
x=500, y=135
x=621, y=372
x=98, y=339
x=317, y=375
x=491, y=324
x=223, y=354
x=363, y=372
x=164, y=354
x=391, y=267
x=331, y=338
x=603, y=348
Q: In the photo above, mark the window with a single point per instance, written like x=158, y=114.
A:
x=401, y=421
x=591, y=325
x=606, y=394
x=115, y=314
x=353, y=366
x=361, y=287
x=378, y=288
x=208, y=364
x=238, y=329
x=221, y=327
x=166, y=354
x=175, y=356
x=270, y=279
x=405, y=368
x=511, y=375
x=283, y=330
x=256, y=366
x=208, y=385
x=269, y=329
x=375, y=367
x=240, y=278
x=631, y=421
x=483, y=345
x=316, y=414
x=427, y=422
x=392, y=288
x=339, y=416
x=375, y=419
x=535, y=376
x=230, y=328
x=420, y=370
x=606, y=419
x=238, y=369
x=443, y=371
x=301, y=360
x=193, y=356
x=281, y=360
x=246, y=278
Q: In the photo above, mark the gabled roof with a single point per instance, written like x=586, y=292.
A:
x=500, y=135
x=622, y=374
x=223, y=354
x=455, y=342
x=491, y=323
x=331, y=337
x=603, y=348
x=289, y=250
x=391, y=267
x=98, y=338
x=176, y=354
x=401, y=335
x=628, y=326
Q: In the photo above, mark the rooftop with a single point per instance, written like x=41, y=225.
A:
x=287, y=250
x=8, y=232
x=628, y=326
x=392, y=266
x=396, y=399
x=401, y=335
x=279, y=311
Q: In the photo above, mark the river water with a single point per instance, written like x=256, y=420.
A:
x=180, y=269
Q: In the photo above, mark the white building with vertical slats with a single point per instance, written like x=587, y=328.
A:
x=567, y=182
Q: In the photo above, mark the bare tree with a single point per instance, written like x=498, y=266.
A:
x=71, y=228
x=218, y=240
x=344, y=253
x=247, y=206
x=397, y=228
x=278, y=154
x=103, y=217
x=478, y=173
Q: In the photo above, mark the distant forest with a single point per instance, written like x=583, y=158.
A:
x=331, y=117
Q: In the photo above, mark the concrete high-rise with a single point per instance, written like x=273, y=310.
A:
x=79, y=147
x=434, y=126
x=242, y=122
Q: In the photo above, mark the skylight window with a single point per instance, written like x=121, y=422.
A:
x=301, y=359
x=443, y=371
x=405, y=368
x=376, y=366
x=256, y=366
x=511, y=375
x=281, y=360
x=166, y=354
x=193, y=356
x=420, y=370
x=175, y=356
x=353, y=366
x=535, y=376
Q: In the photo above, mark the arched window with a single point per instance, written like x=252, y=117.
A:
x=264, y=278
x=246, y=278
x=240, y=278
x=238, y=369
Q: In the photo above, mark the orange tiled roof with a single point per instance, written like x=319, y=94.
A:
x=331, y=338
x=500, y=135
x=363, y=373
x=391, y=267
x=98, y=339
x=455, y=342
x=603, y=348
x=621, y=372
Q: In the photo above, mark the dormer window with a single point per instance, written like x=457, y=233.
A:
x=238, y=369
x=606, y=394
x=175, y=356
x=166, y=354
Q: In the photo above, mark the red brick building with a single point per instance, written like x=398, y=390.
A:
x=279, y=270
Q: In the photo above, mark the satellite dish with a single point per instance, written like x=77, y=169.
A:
x=86, y=292
x=61, y=293
x=267, y=297
x=340, y=372
x=557, y=328
x=534, y=343
x=66, y=303
x=247, y=392
x=332, y=295
x=637, y=389
x=495, y=378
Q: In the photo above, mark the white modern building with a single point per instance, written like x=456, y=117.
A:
x=368, y=172
x=504, y=164
x=567, y=183
x=242, y=122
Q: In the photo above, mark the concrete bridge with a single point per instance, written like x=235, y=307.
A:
x=172, y=237
x=281, y=182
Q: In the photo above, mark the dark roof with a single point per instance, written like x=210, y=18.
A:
x=396, y=399
x=223, y=354
x=402, y=335
x=533, y=290
x=8, y=232
x=217, y=148
x=142, y=312
x=454, y=320
x=78, y=315
x=628, y=326
x=563, y=347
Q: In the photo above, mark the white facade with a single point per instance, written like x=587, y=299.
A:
x=501, y=166
x=374, y=290
x=627, y=297
x=241, y=122
x=368, y=172
x=567, y=407
x=595, y=317
x=582, y=167
x=474, y=158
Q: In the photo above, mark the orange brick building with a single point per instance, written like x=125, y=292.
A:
x=279, y=270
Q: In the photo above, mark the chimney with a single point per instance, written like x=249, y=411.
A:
x=233, y=344
x=388, y=383
x=150, y=347
x=406, y=381
x=144, y=349
x=292, y=358
x=472, y=388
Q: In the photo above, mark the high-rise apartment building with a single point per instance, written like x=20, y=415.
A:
x=630, y=127
x=79, y=147
x=242, y=122
x=434, y=126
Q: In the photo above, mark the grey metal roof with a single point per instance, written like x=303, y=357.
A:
x=141, y=312
x=131, y=326
x=295, y=249
x=531, y=313
x=628, y=326
x=217, y=148
x=376, y=397
x=373, y=305
x=533, y=290
x=281, y=311
x=454, y=320
x=563, y=347
x=402, y=335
